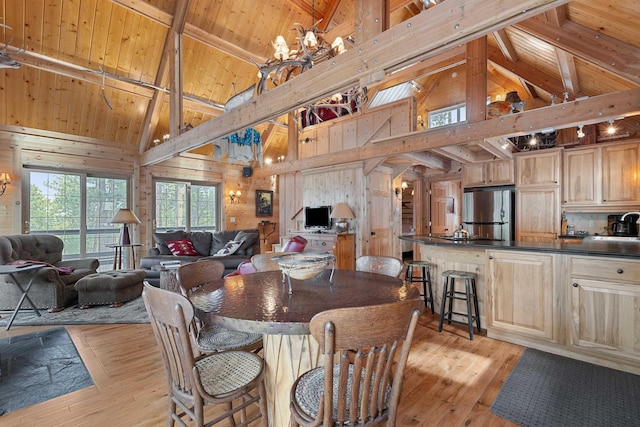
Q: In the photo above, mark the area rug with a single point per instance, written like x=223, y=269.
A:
x=549, y=390
x=37, y=367
x=131, y=312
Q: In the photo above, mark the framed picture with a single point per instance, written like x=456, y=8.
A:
x=264, y=203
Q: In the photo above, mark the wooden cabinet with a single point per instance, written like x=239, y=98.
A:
x=538, y=168
x=538, y=196
x=497, y=172
x=581, y=177
x=520, y=293
x=603, y=176
x=620, y=167
x=342, y=246
x=604, y=295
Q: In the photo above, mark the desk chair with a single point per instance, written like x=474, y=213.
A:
x=364, y=387
x=386, y=265
x=196, y=380
x=213, y=338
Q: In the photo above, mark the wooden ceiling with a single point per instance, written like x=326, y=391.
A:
x=101, y=69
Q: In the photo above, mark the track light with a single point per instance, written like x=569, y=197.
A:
x=580, y=132
x=611, y=129
x=533, y=140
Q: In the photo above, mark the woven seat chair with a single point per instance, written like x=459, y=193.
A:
x=386, y=265
x=213, y=338
x=363, y=388
x=234, y=379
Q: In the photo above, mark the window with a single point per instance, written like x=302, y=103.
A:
x=448, y=116
x=186, y=206
x=78, y=208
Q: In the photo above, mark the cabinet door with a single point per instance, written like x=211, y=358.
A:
x=537, y=214
x=538, y=168
x=606, y=317
x=580, y=177
x=620, y=174
x=500, y=172
x=520, y=293
x=344, y=252
x=474, y=174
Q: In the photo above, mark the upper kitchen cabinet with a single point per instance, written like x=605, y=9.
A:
x=538, y=168
x=601, y=177
x=620, y=174
x=497, y=172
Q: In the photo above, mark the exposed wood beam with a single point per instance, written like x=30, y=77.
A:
x=456, y=152
x=494, y=146
x=592, y=110
x=438, y=28
x=505, y=45
x=428, y=160
x=608, y=53
x=527, y=72
x=567, y=66
x=138, y=88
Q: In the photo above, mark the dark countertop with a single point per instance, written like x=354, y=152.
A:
x=606, y=249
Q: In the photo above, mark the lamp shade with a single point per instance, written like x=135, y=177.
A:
x=125, y=216
x=342, y=210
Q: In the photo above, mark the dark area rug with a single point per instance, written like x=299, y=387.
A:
x=549, y=390
x=131, y=312
x=39, y=366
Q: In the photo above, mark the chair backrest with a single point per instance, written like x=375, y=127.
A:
x=295, y=244
x=386, y=265
x=170, y=314
x=377, y=354
x=197, y=273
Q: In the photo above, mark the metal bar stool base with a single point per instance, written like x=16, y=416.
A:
x=470, y=295
x=425, y=279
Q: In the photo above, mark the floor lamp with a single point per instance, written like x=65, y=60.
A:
x=125, y=217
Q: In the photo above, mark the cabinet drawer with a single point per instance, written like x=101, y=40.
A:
x=319, y=245
x=606, y=268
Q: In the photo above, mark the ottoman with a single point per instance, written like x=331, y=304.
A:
x=109, y=287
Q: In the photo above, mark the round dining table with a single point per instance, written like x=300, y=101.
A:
x=261, y=302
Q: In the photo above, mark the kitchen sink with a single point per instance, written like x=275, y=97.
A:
x=612, y=239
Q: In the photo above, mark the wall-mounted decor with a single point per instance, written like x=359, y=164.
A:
x=264, y=203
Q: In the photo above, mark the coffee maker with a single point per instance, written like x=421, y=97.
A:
x=626, y=227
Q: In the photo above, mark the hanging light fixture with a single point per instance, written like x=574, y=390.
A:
x=580, y=132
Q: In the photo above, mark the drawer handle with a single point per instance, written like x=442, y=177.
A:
x=491, y=257
x=324, y=243
x=575, y=285
x=619, y=271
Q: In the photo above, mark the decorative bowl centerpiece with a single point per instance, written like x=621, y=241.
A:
x=304, y=265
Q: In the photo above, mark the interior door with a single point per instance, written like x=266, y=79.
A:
x=446, y=209
x=380, y=214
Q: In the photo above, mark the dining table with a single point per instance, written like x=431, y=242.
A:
x=261, y=302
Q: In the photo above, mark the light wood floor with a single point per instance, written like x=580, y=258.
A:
x=450, y=380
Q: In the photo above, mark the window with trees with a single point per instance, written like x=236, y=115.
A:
x=78, y=208
x=186, y=206
x=448, y=116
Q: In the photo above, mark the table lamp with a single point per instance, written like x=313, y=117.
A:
x=125, y=217
x=342, y=211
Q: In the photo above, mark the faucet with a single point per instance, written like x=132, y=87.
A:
x=637, y=222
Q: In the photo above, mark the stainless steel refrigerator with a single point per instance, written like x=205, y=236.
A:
x=488, y=212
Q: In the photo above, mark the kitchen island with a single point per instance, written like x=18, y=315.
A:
x=576, y=300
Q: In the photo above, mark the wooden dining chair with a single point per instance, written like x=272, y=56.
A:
x=213, y=338
x=234, y=379
x=386, y=265
x=361, y=373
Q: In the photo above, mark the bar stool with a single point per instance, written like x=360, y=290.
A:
x=424, y=278
x=449, y=293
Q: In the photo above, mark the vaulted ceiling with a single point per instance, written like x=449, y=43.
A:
x=101, y=68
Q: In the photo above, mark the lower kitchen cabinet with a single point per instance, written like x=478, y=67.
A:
x=520, y=289
x=605, y=307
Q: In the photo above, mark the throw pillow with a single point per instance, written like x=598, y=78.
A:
x=229, y=248
x=182, y=247
x=162, y=239
x=247, y=239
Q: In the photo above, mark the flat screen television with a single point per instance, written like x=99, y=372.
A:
x=318, y=218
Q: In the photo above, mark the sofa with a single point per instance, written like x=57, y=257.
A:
x=230, y=247
x=54, y=285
